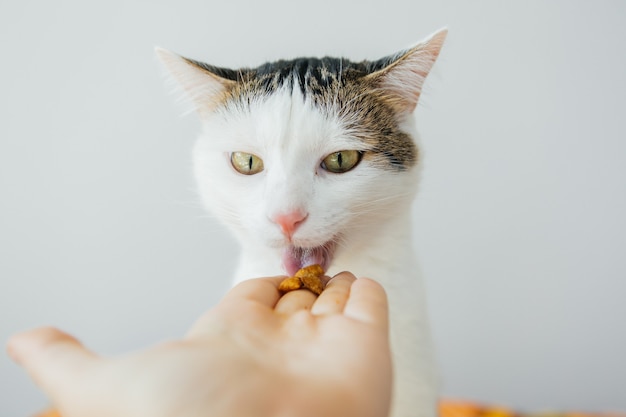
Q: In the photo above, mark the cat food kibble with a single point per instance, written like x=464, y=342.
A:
x=290, y=284
x=308, y=277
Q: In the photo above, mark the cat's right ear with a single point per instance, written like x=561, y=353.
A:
x=400, y=77
x=204, y=85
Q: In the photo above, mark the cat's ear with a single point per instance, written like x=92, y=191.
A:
x=205, y=85
x=400, y=77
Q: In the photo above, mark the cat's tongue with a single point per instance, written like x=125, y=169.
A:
x=295, y=258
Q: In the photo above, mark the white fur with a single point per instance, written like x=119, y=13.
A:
x=367, y=209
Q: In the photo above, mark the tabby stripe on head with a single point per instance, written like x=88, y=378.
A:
x=372, y=98
x=367, y=114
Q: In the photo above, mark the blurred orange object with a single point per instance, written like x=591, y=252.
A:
x=458, y=408
x=49, y=413
x=450, y=408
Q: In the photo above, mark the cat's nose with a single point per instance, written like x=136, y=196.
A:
x=289, y=222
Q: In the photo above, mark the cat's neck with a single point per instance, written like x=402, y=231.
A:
x=384, y=253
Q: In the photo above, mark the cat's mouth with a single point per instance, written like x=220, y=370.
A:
x=295, y=258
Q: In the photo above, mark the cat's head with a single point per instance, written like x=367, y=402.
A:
x=307, y=155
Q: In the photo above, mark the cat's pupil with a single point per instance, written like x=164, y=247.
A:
x=250, y=163
x=339, y=159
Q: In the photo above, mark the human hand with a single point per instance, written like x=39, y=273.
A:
x=255, y=354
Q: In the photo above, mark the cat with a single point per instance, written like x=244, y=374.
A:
x=316, y=161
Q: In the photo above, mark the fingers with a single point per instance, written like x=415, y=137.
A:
x=294, y=301
x=304, y=299
x=55, y=360
x=368, y=303
x=333, y=298
x=363, y=299
x=248, y=298
x=261, y=290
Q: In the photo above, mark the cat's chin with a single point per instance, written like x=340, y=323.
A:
x=295, y=258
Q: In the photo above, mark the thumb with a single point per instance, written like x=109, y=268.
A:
x=55, y=360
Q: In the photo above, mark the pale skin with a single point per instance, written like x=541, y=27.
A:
x=255, y=354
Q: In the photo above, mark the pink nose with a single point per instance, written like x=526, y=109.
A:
x=290, y=221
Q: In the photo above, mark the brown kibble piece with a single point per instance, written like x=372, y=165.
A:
x=312, y=283
x=290, y=284
x=307, y=277
x=311, y=270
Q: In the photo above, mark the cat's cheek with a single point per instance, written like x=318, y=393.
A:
x=225, y=162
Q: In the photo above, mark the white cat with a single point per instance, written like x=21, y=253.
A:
x=317, y=161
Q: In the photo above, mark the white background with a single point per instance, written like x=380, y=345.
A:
x=519, y=222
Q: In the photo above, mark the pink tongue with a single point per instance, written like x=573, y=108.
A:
x=296, y=258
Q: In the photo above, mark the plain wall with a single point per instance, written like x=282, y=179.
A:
x=519, y=221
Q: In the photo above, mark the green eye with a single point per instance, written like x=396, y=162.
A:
x=246, y=163
x=342, y=161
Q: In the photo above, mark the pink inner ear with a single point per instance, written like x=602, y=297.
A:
x=403, y=79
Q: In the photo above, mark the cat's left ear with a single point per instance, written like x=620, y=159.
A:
x=401, y=77
x=204, y=84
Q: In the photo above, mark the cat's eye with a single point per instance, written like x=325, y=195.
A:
x=342, y=161
x=246, y=163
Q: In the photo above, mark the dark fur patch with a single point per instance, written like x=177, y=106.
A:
x=339, y=86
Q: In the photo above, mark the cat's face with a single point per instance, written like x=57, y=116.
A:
x=296, y=201
x=307, y=156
